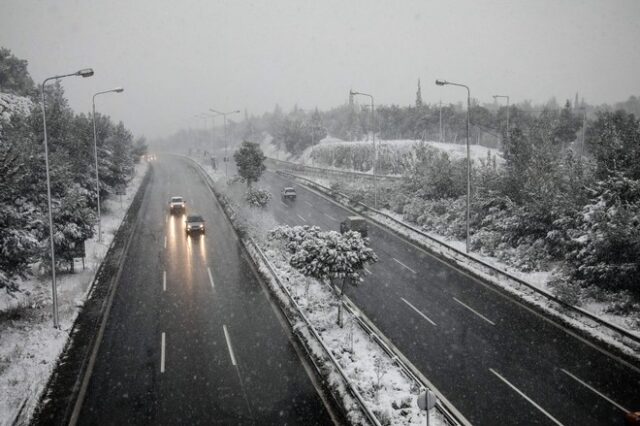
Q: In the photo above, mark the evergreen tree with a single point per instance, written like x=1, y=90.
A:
x=419, y=96
x=250, y=162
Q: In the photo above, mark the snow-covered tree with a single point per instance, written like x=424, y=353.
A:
x=326, y=255
x=257, y=197
x=250, y=161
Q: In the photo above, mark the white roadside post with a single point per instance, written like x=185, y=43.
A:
x=426, y=401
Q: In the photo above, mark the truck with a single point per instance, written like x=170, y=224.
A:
x=355, y=223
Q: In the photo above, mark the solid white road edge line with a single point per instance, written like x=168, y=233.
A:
x=417, y=310
x=302, y=218
x=226, y=336
x=531, y=401
x=594, y=390
x=165, y=241
x=210, y=277
x=164, y=280
x=402, y=264
x=475, y=312
x=162, y=353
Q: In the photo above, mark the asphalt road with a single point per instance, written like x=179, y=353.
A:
x=496, y=360
x=192, y=337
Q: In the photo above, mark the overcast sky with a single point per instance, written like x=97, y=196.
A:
x=178, y=58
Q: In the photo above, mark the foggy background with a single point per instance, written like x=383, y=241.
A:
x=176, y=59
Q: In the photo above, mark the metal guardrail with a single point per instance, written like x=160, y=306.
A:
x=625, y=334
x=324, y=172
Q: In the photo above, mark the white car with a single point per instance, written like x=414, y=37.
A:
x=177, y=205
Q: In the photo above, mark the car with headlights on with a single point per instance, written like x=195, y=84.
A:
x=194, y=224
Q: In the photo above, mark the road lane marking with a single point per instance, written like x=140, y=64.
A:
x=282, y=202
x=165, y=241
x=330, y=217
x=308, y=203
x=417, y=310
x=531, y=401
x=592, y=389
x=226, y=336
x=210, y=278
x=303, y=219
x=475, y=312
x=367, y=271
x=164, y=281
x=162, y=353
x=402, y=264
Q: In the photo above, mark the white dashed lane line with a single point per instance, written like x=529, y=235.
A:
x=302, y=218
x=403, y=265
x=162, y=345
x=330, y=217
x=164, y=280
x=522, y=394
x=475, y=312
x=594, y=390
x=418, y=311
x=228, y=339
x=210, y=277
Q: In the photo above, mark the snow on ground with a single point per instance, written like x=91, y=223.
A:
x=387, y=391
x=29, y=345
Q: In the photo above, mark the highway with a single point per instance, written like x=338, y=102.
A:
x=495, y=359
x=192, y=337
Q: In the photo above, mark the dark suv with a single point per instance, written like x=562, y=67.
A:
x=288, y=193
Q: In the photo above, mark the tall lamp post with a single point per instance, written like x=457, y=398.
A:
x=87, y=72
x=95, y=153
x=445, y=83
x=353, y=93
x=507, y=98
x=226, y=156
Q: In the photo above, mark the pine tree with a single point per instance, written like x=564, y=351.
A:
x=419, y=96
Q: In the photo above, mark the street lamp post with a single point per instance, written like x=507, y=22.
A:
x=87, y=72
x=444, y=83
x=507, y=98
x=375, y=151
x=95, y=153
x=226, y=156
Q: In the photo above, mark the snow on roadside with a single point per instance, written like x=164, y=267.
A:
x=29, y=345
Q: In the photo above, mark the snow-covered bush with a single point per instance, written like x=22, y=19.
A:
x=257, y=197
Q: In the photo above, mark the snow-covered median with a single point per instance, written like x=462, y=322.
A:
x=29, y=345
x=378, y=380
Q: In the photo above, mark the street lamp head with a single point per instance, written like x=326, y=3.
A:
x=119, y=89
x=236, y=111
x=86, y=72
x=441, y=82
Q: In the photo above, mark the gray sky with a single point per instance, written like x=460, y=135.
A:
x=179, y=58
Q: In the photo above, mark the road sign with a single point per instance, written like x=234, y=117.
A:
x=426, y=401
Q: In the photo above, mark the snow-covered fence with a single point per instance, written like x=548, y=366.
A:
x=272, y=163
x=573, y=315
